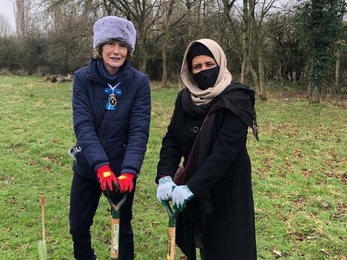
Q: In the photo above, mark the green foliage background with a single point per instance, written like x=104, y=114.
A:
x=299, y=175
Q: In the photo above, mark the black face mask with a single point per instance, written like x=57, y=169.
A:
x=206, y=78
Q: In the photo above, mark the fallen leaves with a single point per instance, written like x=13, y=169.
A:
x=277, y=253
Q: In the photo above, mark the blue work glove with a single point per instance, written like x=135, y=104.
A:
x=164, y=190
x=180, y=195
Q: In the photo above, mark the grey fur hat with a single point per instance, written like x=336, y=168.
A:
x=114, y=27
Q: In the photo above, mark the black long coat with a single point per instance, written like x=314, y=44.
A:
x=225, y=175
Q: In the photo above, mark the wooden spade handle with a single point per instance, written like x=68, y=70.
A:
x=42, y=203
x=172, y=231
x=171, y=244
x=114, y=238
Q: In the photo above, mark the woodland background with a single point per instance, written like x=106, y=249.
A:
x=297, y=44
x=286, y=50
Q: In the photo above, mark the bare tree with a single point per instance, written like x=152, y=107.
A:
x=254, y=14
x=189, y=4
x=342, y=45
x=5, y=26
x=258, y=30
x=62, y=12
x=143, y=14
x=168, y=6
x=247, y=9
x=22, y=16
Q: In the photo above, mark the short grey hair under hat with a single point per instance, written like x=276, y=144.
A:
x=113, y=27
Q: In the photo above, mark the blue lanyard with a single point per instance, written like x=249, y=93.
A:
x=112, y=92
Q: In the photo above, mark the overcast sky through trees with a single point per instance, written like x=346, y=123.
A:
x=6, y=8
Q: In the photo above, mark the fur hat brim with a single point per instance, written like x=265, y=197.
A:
x=114, y=28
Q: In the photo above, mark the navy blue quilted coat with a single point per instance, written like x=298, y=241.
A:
x=116, y=137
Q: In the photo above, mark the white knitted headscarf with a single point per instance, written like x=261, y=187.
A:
x=198, y=95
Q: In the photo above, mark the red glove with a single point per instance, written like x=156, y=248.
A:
x=126, y=183
x=108, y=180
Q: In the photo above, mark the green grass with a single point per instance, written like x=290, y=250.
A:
x=299, y=176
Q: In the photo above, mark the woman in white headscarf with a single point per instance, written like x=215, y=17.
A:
x=208, y=129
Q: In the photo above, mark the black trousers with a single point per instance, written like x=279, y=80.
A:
x=84, y=201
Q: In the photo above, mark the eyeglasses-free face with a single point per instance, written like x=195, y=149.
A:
x=114, y=54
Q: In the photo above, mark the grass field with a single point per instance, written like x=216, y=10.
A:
x=299, y=176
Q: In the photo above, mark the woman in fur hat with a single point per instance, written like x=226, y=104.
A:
x=208, y=129
x=111, y=117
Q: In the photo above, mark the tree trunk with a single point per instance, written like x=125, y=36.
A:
x=245, y=45
x=165, y=66
x=337, y=73
x=262, y=87
x=164, y=53
x=141, y=46
x=315, y=80
x=21, y=17
x=255, y=77
x=315, y=95
x=190, y=19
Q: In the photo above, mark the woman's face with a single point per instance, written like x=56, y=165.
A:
x=114, y=54
x=202, y=62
